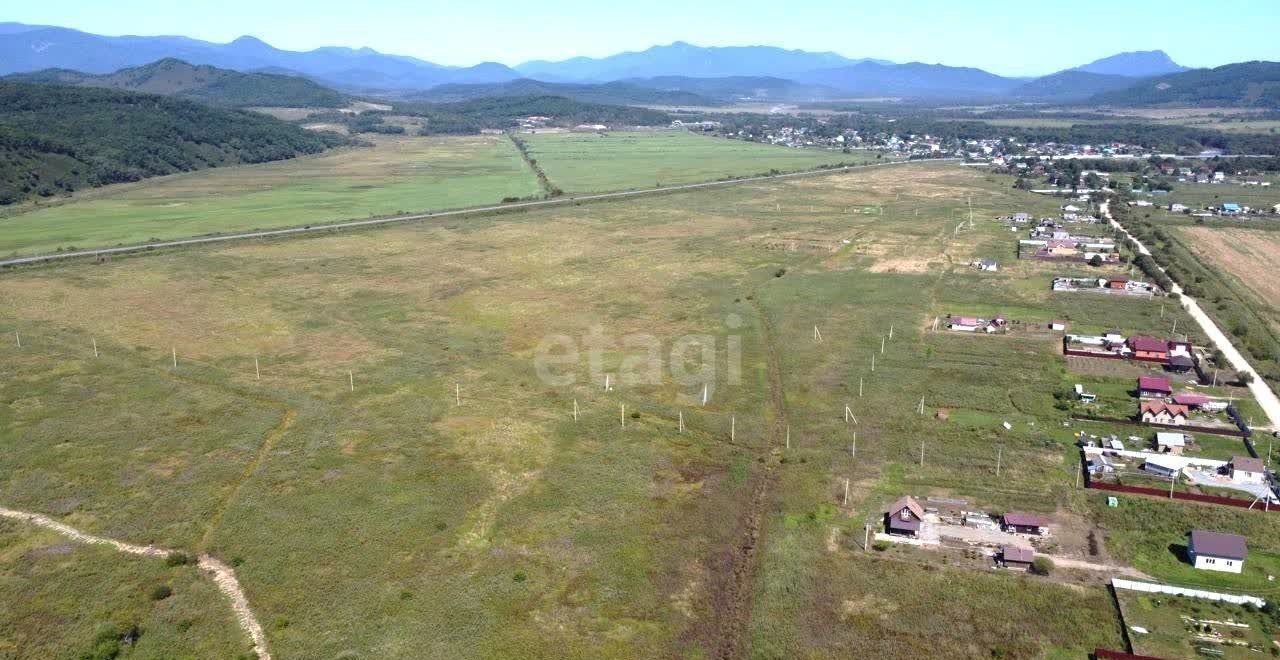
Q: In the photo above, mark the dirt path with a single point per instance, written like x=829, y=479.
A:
x=221, y=574
x=734, y=596
x=1080, y=564
x=268, y=443
x=1261, y=391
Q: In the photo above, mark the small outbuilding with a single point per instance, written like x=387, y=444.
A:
x=1247, y=470
x=1015, y=557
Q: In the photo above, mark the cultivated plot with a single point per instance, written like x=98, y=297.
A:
x=590, y=162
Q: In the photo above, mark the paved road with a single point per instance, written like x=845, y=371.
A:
x=356, y=224
x=1259, y=387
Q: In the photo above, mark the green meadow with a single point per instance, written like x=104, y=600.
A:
x=591, y=162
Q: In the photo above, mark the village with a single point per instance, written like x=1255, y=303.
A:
x=1149, y=416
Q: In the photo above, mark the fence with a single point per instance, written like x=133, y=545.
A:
x=1104, y=654
x=1192, y=497
x=1130, y=585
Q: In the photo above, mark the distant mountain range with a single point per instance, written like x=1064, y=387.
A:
x=25, y=48
x=173, y=77
x=675, y=74
x=1137, y=64
x=686, y=59
x=1247, y=84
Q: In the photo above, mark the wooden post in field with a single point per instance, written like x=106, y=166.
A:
x=853, y=446
x=704, y=394
x=1215, y=377
x=846, y=491
x=733, y=428
x=882, y=344
x=873, y=363
x=351, y=380
x=866, y=537
x=457, y=394
x=606, y=382
x=95, y=347
x=788, y=436
x=890, y=331
x=175, y=357
x=681, y=421
x=624, y=415
x=999, y=455
x=18, y=338
x=1269, y=439
x=859, y=385
x=848, y=415
x=1175, y=327
x=1173, y=481
x=921, y=408
x=817, y=335
x=257, y=373
x=922, y=453
x=575, y=410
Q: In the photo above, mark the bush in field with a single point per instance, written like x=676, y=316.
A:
x=881, y=545
x=1042, y=565
x=161, y=592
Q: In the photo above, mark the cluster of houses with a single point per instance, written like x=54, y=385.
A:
x=975, y=324
x=1115, y=285
x=1173, y=355
x=1157, y=404
x=906, y=518
x=1052, y=242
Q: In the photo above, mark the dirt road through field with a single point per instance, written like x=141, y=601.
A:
x=1261, y=390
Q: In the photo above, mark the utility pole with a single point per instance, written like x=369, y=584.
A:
x=1173, y=481
x=257, y=373
x=853, y=447
x=859, y=385
x=175, y=356
x=681, y=421
x=999, y=455
x=788, y=436
x=95, y=347
x=866, y=537
x=921, y=453
x=846, y=491
x=351, y=381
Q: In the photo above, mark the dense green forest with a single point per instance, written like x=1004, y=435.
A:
x=208, y=84
x=55, y=139
x=471, y=116
x=1252, y=84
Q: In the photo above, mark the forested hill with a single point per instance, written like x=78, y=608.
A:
x=56, y=139
x=209, y=84
x=1252, y=84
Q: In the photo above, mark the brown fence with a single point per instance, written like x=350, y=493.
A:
x=1104, y=355
x=1105, y=654
x=1193, y=497
x=1190, y=428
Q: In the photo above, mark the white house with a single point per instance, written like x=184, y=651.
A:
x=1215, y=551
x=1171, y=443
x=1247, y=470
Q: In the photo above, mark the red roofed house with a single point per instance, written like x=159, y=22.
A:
x=903, y=518
x=1015, y=557
x=1118, y=282
x=1191, y=400
x=1154, y=387
x=1024, y=523
x=1159, y=412
x=964, y=323
x=1149, y=348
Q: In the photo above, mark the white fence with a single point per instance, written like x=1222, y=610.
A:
x=1130, y=585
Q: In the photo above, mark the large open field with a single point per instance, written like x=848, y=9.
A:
x=395, y=175
x=406, y=478
x=587, y=162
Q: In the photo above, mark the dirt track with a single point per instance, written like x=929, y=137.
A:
x=223, y=576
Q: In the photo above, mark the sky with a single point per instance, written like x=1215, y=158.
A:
x=1015, y=38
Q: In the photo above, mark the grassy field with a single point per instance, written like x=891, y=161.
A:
x=395, y=175
x=402, y=460
x=63, y=600
x=587, y=162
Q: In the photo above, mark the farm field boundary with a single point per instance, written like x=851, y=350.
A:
x=376, y=222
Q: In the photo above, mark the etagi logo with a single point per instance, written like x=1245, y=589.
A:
x=697, y=363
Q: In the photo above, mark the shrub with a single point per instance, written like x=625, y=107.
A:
x=881, y=545
x=519, y=576
x=177, y=559
x=1042, y=565
x=161, y=592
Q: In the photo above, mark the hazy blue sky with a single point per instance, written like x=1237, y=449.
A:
x=1022, y=37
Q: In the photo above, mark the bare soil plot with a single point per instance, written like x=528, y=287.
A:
x=1253, y=257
